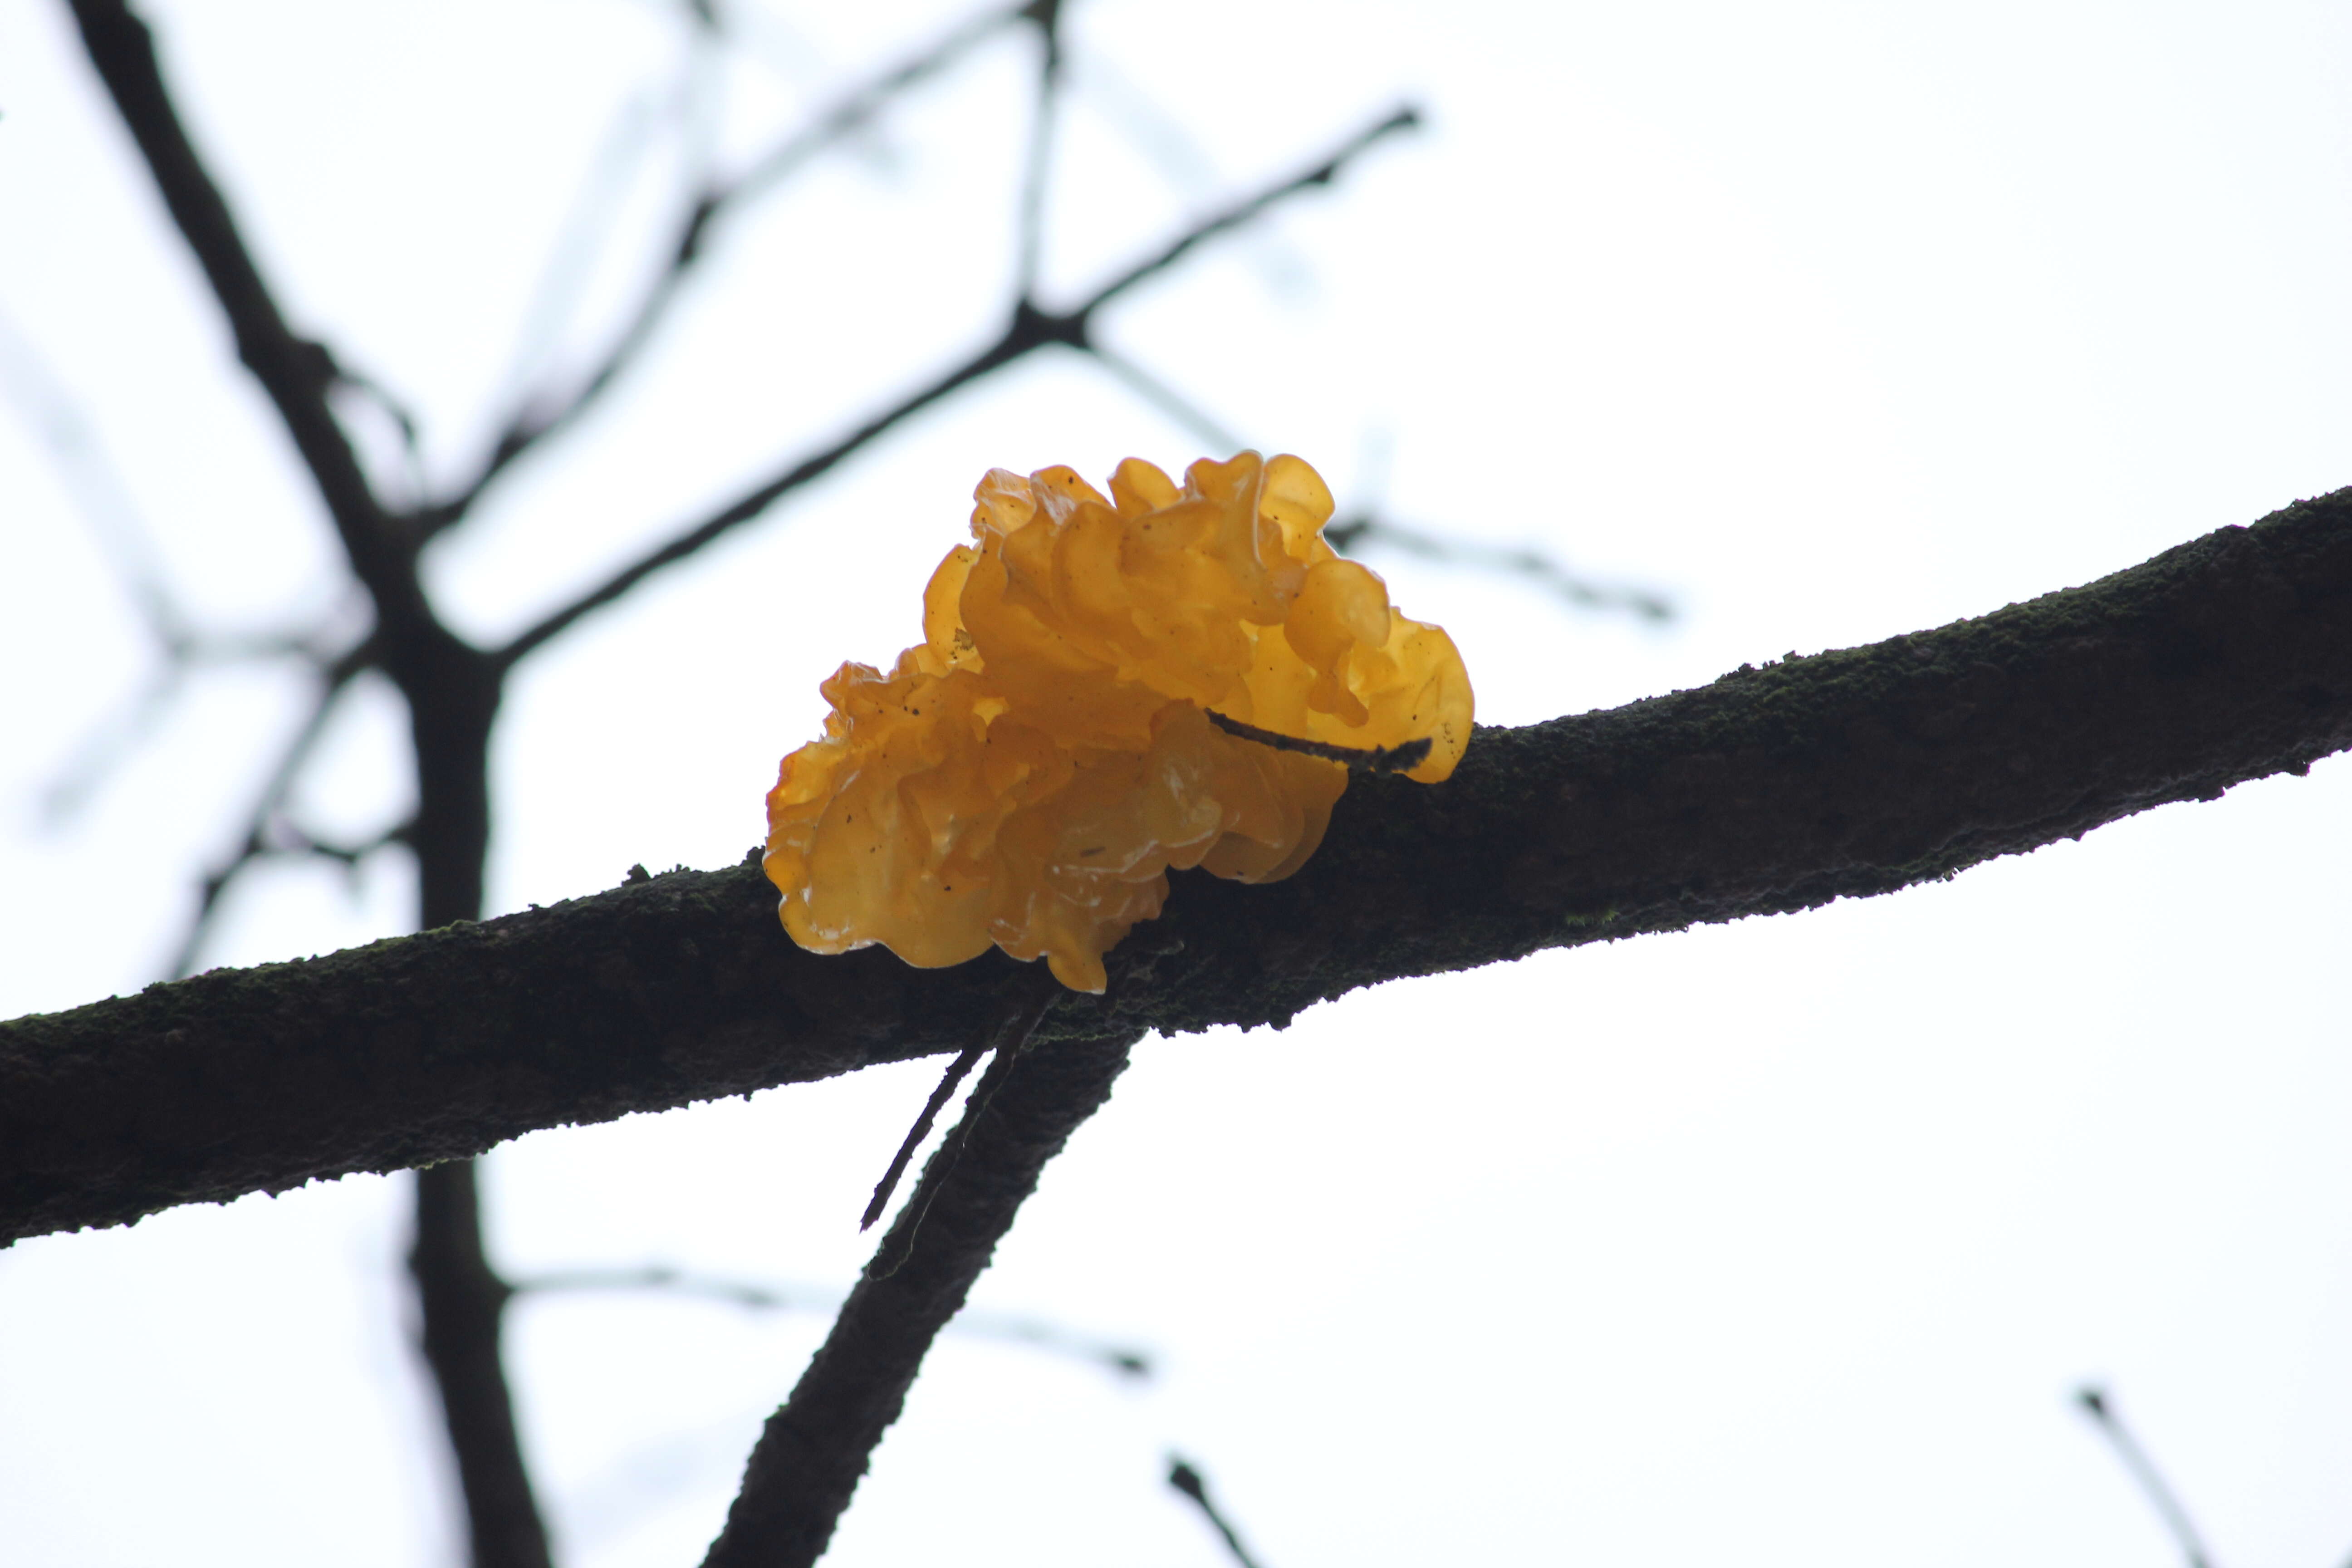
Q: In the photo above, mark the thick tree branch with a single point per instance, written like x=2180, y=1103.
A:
x=1843, y=775
x=813, y=1451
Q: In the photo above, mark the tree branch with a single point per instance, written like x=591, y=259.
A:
x=851, y=114
x=1843, y=775
x=814, y=1450
x=1030, y=329
x=463, y=1304
x=295, y=373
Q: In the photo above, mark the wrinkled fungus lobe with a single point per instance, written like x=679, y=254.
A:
x=1028, y=775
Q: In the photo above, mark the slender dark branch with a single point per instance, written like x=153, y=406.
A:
x=1233, y=217
x=1036, y=168
x=957, y=1071
x=1579, y=591
x=857, y=109
x=1126, y=1361
x=295, y=372
x=814, y=1449
x=1185, y=1479
x=743, y=510
x=1399, y=758
x=268, y=804
x=1166, y=398
x=2160, y=1496
x=1031, y=329
x=1021, y=1022
x=1845, y=774
x=542, y=418
x=463, y=1303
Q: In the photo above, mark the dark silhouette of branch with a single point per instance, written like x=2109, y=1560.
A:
x=295, y=372
x=1124, y=1360
x=270, y=803
x=814, y=1450
x=1581, y=592
x=1843, y=775
x=1398, y=759
x=2095, y=1404
x=452, y=691
x=1185, y=1479
x=464, y=1302
x=1036, y=168
x=542, y=418
x=1030, y=329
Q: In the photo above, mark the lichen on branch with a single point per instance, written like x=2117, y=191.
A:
x=1107, y=687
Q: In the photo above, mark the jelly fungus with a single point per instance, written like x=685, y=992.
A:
x=1029, y=772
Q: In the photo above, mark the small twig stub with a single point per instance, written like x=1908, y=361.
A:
x=1396, y=759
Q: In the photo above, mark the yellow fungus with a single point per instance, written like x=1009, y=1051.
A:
x=1028, y=775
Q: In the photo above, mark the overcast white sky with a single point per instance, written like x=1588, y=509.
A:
x=1784, y=1242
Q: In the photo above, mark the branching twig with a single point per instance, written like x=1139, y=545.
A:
x=295, y=373
x=1525, y=562
x=268, y=804
x=1125, y=1360
x=1185, y=1479
x=2095, y=1402
x=814, y=1449
x=1031, y=329
x=536, y=421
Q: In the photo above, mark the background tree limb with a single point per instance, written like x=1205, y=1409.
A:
x=1843, y=775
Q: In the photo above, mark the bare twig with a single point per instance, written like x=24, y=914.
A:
x=814, y=1449
x=295, y=372
x=541, y=418
x=1036, y=169
x=1165, y=398
x=1022, y=1017
x=1579, y=591
x=2102, y=1413
x=257, y=842
x=1185, y=1479
x=1125, y=1360
x=1031, y=329
x=1398, y=759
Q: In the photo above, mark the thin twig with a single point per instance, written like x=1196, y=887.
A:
x=1165, y=398
x=269, y=803
x=1125, y=1360
x=1036, y=168
x=957, y=1070
x=2096, y=1405
x=1185, y=1479
x=853, y=111
x=1022, y=1015
x=1396, y=759
x=295, y=372
x=1031, y=329
x=1525, y=562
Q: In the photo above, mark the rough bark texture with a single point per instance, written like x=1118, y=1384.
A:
x=814, y=1450
x=1846, y=773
